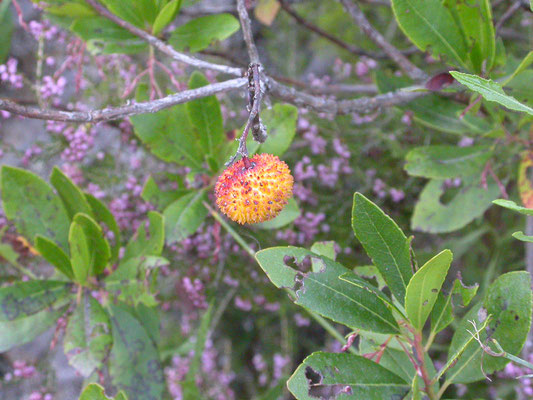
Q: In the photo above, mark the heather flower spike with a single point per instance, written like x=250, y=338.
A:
x=254, y=189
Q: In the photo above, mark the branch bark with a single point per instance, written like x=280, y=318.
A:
x=108, y=114
x=407, y=66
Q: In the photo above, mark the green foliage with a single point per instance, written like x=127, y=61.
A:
x=384, y=242
x=199, y=33
x=33, y=207
x=6, y=29
x=508, y=302
x=166, y=15
x=424, y=287
x=71, y=195
x=147, y=241
x=184, y=216
x=94, y=391
x=55, y=255
x=315, y=378
x=289, y=213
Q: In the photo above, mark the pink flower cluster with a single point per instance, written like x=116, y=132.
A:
x=8, y=73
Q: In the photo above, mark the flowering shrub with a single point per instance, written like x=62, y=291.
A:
x=136, y=132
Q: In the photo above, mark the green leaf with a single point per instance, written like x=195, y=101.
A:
x=126, y=10
x=384, y=242
x=6, y=29
x=106, y=218
x=71, y=195
x=99, y=28
x=206, y=116
x=96, y=242
x=159, y=198
x=509, y=302
x=289, y=213
x=134, y=365
x=320, y=290
x=136, y=267
x=52, y=253
x=475, y=20
x=430, y=26
x=168, y=134
x=21, y=331
x=432, y=216
x=511, y=205
x=200, y=33
x=147, y=243
x=424, y=288
x=80, y=254
x=522, y=237
x=491, y=91
x=325, y=249
x=442, y=161
x=23, y=299
x=87, y=336
x=33, y=207
x=526, y=62
x=93, y=391
x=184, y=216
x=166, y=16
x=442, y=314
x=280, y=122
x=329, y=374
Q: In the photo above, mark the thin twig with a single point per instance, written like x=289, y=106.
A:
x=508, y=14
x=162, y=46
x=111, y=113
x=246, y=26
x=407, y=66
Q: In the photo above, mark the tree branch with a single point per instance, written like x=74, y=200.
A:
x=162, y=46
x=407, y=66
x=246, y=26
x=108, y=114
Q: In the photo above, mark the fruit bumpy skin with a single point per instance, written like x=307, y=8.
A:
x=254, y=189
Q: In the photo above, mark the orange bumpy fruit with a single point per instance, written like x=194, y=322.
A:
x=254, y=189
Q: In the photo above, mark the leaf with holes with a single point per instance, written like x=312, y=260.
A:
x=442, y=161
x=509, y=302
x=87, y=336
x=491, y=91
x=320, y=290
x=470, y=202
x=384, y=242
x=347, y=376
x=424, y=288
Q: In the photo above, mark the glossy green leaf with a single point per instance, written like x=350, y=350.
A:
x=424, y=287
x=52, y=253
x=206, y=116
x=71, y=195
x=24, y=330
x=200, y=33
x=184, y=216
x=280, y=122
x=431, y=27
x=320, y=290
x=166, y=16
x=491, y=91
x=511, y=205
x=87, y=336
x=6, y=29
x=431, y=215
x=523, y=237
x=97, y=243
x=289, y=213
x=23, y=299
x=345, y=376
x=33, y=206
x=384, y=242
x=509, y=302
x=93, y=391
x=147, y=241
x=80, y=254
x=106, y=218
x=134, y=364
x=443, y=161
x=168, y=134
x=459, y=295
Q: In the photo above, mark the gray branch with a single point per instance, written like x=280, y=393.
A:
x=108, y=114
